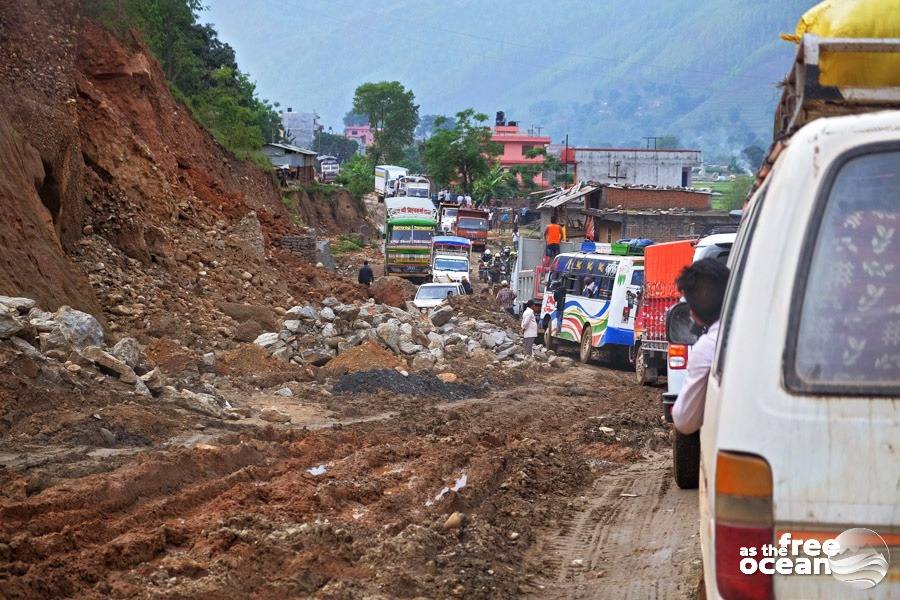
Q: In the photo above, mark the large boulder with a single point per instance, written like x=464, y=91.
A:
x=78, y=328
x=266, y=340
x=128, y=351
x=109, y=363
x=22, y=305
x=306, y=313
x=390, y=334
x=10, y=323
x=441, y=315
x=392, y=290
x=248, y=331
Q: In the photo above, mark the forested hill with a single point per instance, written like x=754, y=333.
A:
x=605, y=71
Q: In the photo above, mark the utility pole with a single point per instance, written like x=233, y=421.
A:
x=651, y=137
x=566, y=160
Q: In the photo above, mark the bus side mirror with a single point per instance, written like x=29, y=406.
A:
x=680, y=328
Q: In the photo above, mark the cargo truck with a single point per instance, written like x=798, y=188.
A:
x=409, y=227
x=386, y=177
x=472, y=223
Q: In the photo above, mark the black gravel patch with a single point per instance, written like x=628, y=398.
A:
x=363, y=382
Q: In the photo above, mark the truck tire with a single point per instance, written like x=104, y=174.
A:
x=586, y=350
x=644, y=369
x=686, y=460
x=549, y=340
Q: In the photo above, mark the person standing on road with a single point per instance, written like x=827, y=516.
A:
x=506, y=297
x=553, y=236
x=529, y=328
x=467, y=286
x=703, y=286
x=366, y=277
x=559, y=300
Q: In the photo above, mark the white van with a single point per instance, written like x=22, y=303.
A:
x=601, y=296
x=801, y=433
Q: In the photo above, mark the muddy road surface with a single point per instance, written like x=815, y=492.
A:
x=550, y=484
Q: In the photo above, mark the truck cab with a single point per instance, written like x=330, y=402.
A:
x=450, y=259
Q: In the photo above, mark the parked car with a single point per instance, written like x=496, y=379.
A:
x=430, y=295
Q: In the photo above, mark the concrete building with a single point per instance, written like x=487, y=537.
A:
x=516, y=145
x=299, y=127
x=635, y=166
x=362, y=134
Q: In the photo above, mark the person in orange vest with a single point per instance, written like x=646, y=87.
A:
x=554, y=234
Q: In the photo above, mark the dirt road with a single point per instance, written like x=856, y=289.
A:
x=540, y=466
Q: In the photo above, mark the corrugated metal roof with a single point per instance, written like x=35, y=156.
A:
x=579, y=190
x=291, y=148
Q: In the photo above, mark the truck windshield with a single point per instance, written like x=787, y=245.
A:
x=435, y=292
x=449, y=212
x=408, y=234
x=417, y=192
x=472, y=223
x=451, y=264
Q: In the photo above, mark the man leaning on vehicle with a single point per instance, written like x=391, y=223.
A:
x=703, y=286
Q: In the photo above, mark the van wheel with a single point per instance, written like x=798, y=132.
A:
x=549, y=340
x=646, y=374
x=586, y=348
x=686, y=460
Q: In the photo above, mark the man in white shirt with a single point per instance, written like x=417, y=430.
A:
x=529, y=328
x=703, y=286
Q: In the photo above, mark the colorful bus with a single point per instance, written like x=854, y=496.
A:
x=602, y=290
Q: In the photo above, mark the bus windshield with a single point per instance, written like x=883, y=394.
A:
x=417, y=192
x=406, y=233
x=451, y=264
x=473, y=223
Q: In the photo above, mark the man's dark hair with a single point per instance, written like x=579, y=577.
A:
x=553, y=219
x=703, y=285
x=365, y=262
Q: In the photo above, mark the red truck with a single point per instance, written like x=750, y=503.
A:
x=472, y=223
x=662, y=264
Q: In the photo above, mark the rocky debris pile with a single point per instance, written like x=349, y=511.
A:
x=70, y=346
x=426, y=341
x=393, y=291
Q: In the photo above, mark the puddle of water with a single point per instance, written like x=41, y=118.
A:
x=316, y=471
x=458, y=485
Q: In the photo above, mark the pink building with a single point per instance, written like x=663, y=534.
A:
x=516, y=146
x=363, y=134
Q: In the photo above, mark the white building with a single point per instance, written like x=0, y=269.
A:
x=636, y=166
x=300, y=127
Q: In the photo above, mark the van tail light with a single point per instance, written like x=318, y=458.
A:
x=743, y=520
x=678, y=356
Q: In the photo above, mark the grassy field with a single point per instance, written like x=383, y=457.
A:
x=732, y=193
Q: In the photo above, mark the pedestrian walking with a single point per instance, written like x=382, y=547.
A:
x=529, y=328
x=467, y=286
x=366, y=277
x=506, y=297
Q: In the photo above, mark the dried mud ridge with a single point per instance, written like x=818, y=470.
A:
x=411, y=384
x=348, y=512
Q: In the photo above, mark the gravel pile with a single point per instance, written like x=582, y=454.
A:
x=391, y=380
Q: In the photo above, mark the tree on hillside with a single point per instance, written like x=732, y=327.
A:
x=461, y=154
x=754, y=155
x=334, y=145
x=427, y=125
x=392, y=113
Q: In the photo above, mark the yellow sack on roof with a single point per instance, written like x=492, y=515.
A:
x=854, y=19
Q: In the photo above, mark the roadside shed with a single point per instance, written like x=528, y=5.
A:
x=293, y=162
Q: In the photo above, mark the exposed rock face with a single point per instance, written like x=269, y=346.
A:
x=78, y=328
x=393, y=291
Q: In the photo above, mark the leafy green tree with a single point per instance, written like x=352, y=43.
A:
x=393, y=114
x=461, y=154
x=334, y=145
x=358, y=175
x=352, y=118
x=427, y=125
x=496, y=183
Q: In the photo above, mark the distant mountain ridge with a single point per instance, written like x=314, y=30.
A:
x=605, y=72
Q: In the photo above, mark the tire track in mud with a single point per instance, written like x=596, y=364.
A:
x=635, y=538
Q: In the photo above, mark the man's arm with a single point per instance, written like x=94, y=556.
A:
x=687, y=413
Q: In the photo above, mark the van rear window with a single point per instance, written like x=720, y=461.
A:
x=847, y=339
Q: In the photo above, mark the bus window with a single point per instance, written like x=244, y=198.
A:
x=637, y=277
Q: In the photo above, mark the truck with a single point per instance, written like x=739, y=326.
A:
x=450, y=258
x=329, y=168
x=409, y=226
x=416, y=186
x=472, y=223
x=662, y=264
x=386, y=177
x=447, y=217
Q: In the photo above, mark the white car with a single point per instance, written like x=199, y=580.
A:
x=430, y=295
x=801, y=432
